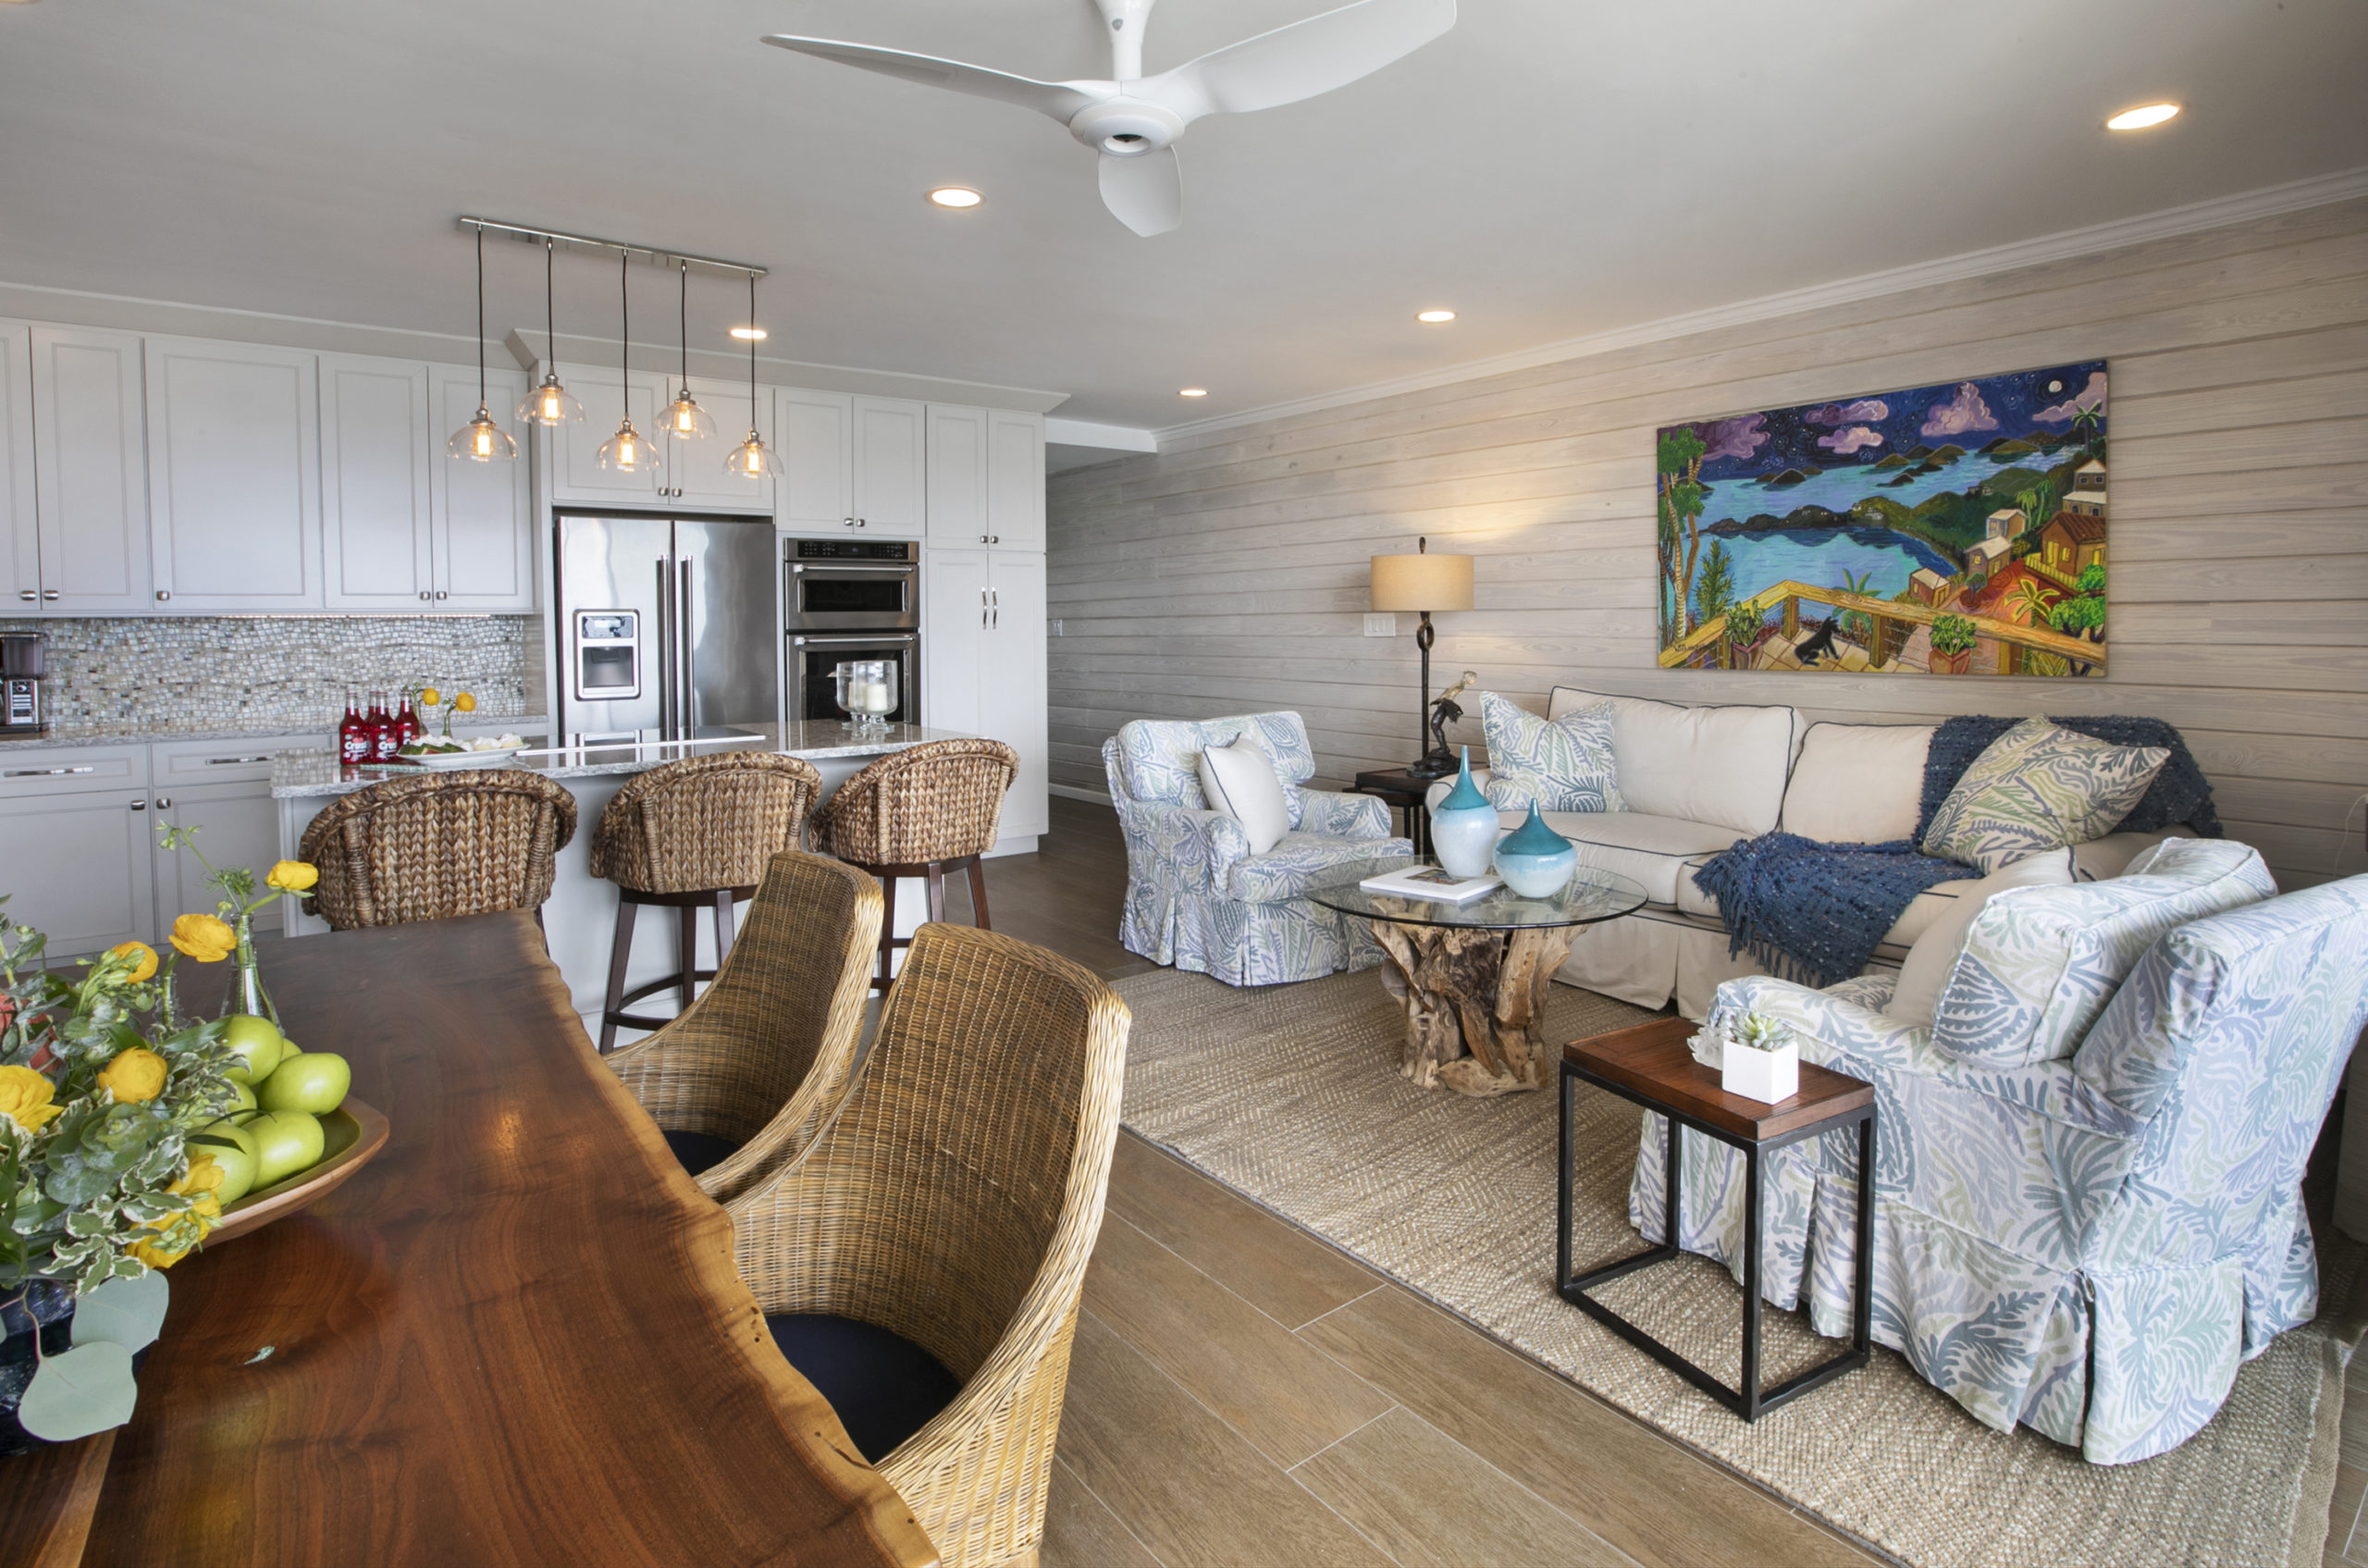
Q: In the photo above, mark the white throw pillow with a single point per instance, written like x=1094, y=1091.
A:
x=1725, y=766
x=1240, y=781
x=1561, y=764
x=1925, y=972
x=1857, y=784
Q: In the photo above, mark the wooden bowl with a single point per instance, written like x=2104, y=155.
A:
x=350, y=1135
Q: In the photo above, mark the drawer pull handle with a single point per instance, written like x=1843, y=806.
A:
x=164, y=803
x=233, y=762
x=47, y=772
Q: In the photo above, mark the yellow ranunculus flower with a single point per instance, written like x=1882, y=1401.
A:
x=25, y=1096
x=205, y=1174
x=465, y=703
x=207, y=939
x=203, y=1179
x=143, y=957
x=430, y=695
x=135, y=1076
x=293, y=876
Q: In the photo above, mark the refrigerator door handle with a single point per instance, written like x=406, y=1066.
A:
x=665, y=649
x=684, y=628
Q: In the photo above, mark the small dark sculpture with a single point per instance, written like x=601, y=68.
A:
x=1440, y=761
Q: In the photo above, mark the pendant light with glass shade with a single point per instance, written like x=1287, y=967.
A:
x=481, y=440
x=548, y=404
x=627, y=452
x=752, y=459
x=684, y=419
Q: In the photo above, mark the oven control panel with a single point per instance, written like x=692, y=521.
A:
x=853, y=550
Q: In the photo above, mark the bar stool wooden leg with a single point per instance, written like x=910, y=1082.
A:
x=936, y=891
x=620, y=952
x=723, y=899
x=887, y=934
x=687, y=945
x=978, y=895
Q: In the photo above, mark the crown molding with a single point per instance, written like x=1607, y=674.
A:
x=2220, y=212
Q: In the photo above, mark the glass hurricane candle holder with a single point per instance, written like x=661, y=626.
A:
x=867, y=691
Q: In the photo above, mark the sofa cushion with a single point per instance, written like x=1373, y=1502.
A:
x=2038, y=967
x=1240, y=781
x=1857, y=784
x=1925, y=972
x=2039, y=786
x=1722, y=765
x=1563, y=764
x=1651, y=851
x=1301, y=861
x=1160, y=758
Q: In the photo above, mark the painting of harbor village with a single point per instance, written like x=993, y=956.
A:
x=1948, y=530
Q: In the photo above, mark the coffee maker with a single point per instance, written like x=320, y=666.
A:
x=21, y=672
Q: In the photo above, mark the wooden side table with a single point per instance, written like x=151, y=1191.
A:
x=1406, y=793
x=1651, y=1066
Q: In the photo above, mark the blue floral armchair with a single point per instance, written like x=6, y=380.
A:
x=1196, y=897
x=2090, y=1244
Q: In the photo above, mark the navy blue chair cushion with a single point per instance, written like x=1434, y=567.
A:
x=697, y=1151
x=884, y=1386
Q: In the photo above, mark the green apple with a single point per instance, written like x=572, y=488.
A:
x=308, y=1080
x=234, y=1131
x=259, y=1041
x=236, y=1160
x=246, y=1098
x=286, y=1141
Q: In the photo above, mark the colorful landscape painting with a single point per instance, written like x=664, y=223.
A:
x=1957, y=530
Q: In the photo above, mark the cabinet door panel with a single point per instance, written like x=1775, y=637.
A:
x=484, y=529
x=19, y=528
x=891, y=486
x=89, y=470
x=374, y=457
x=954, y=614
x=576, y=473
x=958, y=474
x=238, y=826
x=1016, y=480
x=816, y=488
x=234, y=518
x=696, y=470
x=79, y=866
x=1011, y=684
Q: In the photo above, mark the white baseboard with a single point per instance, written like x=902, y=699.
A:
x=1071, y=792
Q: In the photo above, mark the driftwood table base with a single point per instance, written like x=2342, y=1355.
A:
x=1475, y=1003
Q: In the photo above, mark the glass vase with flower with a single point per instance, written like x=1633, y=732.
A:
x=230, y=930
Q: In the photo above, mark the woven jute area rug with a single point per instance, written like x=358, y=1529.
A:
x=1291, y=1095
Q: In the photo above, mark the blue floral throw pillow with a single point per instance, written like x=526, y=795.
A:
x=1561, y=764
x=2040, y=786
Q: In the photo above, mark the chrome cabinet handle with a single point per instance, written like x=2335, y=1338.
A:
x=995, y=539
x=164, y=594
x=995, y=598
x=442, y=594
x=28, y=595
x=846, y=521
x=164, y=803
x=982, y=608
x=46, y=772
x=139, y=805
x=51, y=594
x=423, y=596
x=233, y=761
x=982, y=538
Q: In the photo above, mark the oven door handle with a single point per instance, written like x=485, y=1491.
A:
x=883, y=640
x=905, y=568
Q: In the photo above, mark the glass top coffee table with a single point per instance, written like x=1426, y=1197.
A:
x=1474, y=975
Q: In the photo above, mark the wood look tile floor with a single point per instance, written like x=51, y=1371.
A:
x=1243, y=1395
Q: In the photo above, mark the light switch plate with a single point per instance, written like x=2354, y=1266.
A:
x=1380, y=624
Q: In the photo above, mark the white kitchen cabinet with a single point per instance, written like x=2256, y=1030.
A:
x=984, y=664
x=234, y=494
x=1015, y=479
x=89, y=472
x=78, y=830
x=575, y=473
x=957, y=476
x=19, y=528
x=695, y=474
x=482, y=527
x=890, y=485
x=375, y=507
x=814, y=436
x=238, y=826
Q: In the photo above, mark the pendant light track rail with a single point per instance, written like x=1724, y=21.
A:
x=657, y=254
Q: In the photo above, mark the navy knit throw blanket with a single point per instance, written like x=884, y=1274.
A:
x=1813, y=913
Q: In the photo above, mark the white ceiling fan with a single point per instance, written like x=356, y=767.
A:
x=1133, y=120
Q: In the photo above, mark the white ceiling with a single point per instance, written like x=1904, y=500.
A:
x=1550, y=169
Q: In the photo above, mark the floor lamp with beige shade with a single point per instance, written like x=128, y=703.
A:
x=1425, y=584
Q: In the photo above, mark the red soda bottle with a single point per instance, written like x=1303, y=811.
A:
x=382, y=728
x=407, y=725
x=352, y=735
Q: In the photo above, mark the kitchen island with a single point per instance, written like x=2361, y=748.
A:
x=580, y=919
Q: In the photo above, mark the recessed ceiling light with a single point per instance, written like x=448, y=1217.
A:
x=1193, y=393
x=2142, y=116
x=1433, y=318
x=749, y=334
x=955, y=196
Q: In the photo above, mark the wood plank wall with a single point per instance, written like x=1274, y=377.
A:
x=1229, y=575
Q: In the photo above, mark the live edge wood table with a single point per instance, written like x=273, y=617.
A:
x=515, y=1338
x=1651, y=1066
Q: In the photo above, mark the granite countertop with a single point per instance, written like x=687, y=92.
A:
x=313, y=772
x=132, y=733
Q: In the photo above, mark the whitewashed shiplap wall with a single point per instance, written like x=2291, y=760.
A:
x=1229, y=575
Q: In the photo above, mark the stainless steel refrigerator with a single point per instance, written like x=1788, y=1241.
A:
x=668, y=627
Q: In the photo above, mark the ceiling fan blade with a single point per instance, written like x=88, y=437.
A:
x=1144, y=193
x=1300, y=60
x=1061, y=100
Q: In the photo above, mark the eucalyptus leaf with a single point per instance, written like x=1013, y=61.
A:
x=86, y=1389
x=124, y=1312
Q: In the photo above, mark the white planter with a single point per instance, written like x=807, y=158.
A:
x=1768, y=1076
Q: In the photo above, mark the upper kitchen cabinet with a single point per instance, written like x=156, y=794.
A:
x=89, y=473
x=19, y=530
x=375, y=483
x=696, y=470
x=957, y=476
x=234, y=515
x=607, y=395
x=482, y=532
x=890, y=486
x=814, y=440
x=1016, y=480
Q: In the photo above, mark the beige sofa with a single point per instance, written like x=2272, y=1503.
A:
x=1696, y=779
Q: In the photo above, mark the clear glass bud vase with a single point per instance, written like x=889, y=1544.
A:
x=246, y=993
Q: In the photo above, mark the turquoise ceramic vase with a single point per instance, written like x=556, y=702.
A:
x=1464, y=826
x=1534, y=860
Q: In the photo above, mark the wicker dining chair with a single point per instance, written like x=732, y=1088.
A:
x=920, y=812
x=693, y=835
x=740, y=1081
x=437, y=845
x=920, y=1261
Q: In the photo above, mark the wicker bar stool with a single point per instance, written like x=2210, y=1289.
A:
x=741, y=1079
x=920, y=1259
x=692, y=835
x=920, y=812
x=440, y=844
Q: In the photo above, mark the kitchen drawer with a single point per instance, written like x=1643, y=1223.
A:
x=65, y=770
x=187, y=762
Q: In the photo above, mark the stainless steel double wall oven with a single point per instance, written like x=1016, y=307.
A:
x=850, y=598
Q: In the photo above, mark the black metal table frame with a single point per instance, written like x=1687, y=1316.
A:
x=1418, y=817
x=1749, y=1401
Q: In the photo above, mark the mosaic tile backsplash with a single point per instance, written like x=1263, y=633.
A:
x=234, y=672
